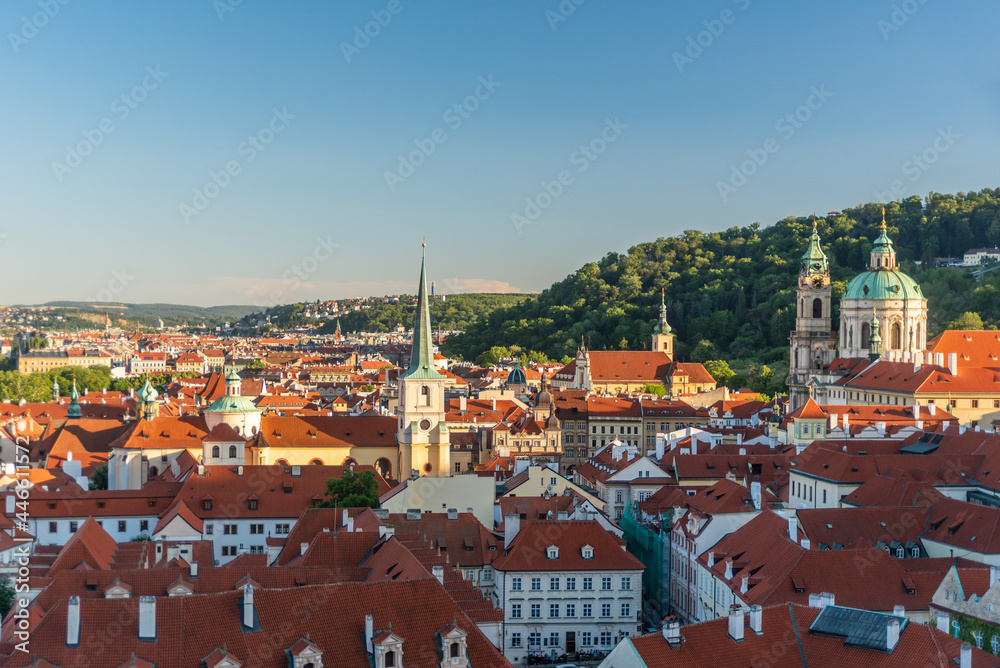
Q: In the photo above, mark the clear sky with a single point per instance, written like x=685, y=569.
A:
x=335, y=153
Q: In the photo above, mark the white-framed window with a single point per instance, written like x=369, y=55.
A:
x=626, y=609
x=605, y=609
x=588, y=584
x=586, y=639
x=619, y=496
x=605, y=638
x=515, y=584
x=626, y=583
x=487, y=574
x=553, y=639
x=515, y=639
x=588, y=610
x=570, y=584
x=534, y=640
x=536, y=610
x=571, y=609
x=515, y=610
x=553, y=610
x=587, y=552
x=552, y=552
x=606, y=583
x=209, y=529
x=554, y=584
x=536, y=584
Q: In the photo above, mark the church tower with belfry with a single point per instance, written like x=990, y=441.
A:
x=813, y=345
x=663, y=338
x=422, y=433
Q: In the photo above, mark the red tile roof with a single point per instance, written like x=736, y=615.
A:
x=528, y=550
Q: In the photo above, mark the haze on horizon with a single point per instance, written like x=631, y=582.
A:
x=233, y=152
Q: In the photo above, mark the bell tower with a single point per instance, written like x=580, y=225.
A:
x=663, y=338
x=812, y=342
x=422, y=433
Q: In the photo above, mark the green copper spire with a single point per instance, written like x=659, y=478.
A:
x=814, y=259
x=338, y=327
x=422, y=352
x=662, y=327
x=74, y=411
x=883, y=244
x=55, y=389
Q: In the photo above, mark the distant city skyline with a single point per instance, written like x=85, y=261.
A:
x=228, y=152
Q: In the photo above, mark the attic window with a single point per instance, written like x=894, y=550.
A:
x=207, y=504
x=587, y=552
x=101, y=504
x=151, y=503
x=552, y=552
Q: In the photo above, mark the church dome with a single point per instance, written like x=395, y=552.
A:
x=882, y=284
x=231, y=404
x=147, y=393
x=517, y=376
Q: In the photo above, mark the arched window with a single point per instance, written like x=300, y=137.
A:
x=900, y=552
x=153, y=471
x=866, y=332
x=425, y=396
x=919, y=342
x=215, y=451
x=817, y=308
x=281, y=462
x=232, y=452
x=316, y=462
x=349, y=461
x=455, y=650
x=896, y=336
x=850, y=336
x=384, y=467
x=390, y=659
x=802, y=307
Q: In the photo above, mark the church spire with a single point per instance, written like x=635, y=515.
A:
x=422, y=349
x=55, y=389
x=814, y=259
x=662, y=327
x=74, y=411
x=875, y=347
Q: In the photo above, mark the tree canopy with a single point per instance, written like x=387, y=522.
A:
x=353, y=490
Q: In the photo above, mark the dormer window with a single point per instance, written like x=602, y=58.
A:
x=587, y=552
x=206, y=504
x=552, y=552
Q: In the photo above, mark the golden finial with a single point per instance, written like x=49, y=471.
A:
x=883, y=218
x=814, y=221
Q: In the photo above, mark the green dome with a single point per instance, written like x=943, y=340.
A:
x=517, y=376
x=147, y=392
x=232, y=404
x=882, y=284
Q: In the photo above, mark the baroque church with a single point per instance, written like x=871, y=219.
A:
x=882, y=313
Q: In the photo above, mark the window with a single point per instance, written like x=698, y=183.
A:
x=515, y=610
x=553, y=609
x=256, y=549
x=534, y=640
x=586, y=639
x=455, y=653
x=605, y=609
x=232, y=452
x=458, y=467
x=215, y=451
x=257, y=528
x=553, y=640
x=143, y=525
x=209, y=529
x=552, y=552
x=390, y=659
x=915, y=552
x=606, y=584
x=487, y=574
x=996, y=403
x=626, y=609
x=605, y=638
x=588, y=584
x=73, y=526
x=207, y=504
x=571, y=609
x=588, y=610
x=229, y=550
x=122, y=526
x=515, y=584
x=53, y=527
x=619, y=496
x=515, y=639
x=570, y=584
x=587, y=552
x=281, y=528
x=229, y=529
x=626, y=583
x=975, y=403
x=536, y=584
x=536, y=610
x=554, y=584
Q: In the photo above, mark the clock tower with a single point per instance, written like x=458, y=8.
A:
x=812, y=343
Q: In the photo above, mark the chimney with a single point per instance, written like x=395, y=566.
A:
x=965, y=658
x=898, y=610
x=390, y=531
x=511, y=525
x=916, y=411
x=847, y=421
x=413, y=514
x=744, y=584
x=953, y=363
x=756, y=619
x=711, y=559
x=73, y=622
x=369, y=634
x=438, y=572
x=793, y=528
x=729, y=569
x=755, y=495
x=194, y=569
x=892, y=634
x=994, y=575
x=932, y=409
x=828, y=598
x=939, y=359
x=562, y=515
x=248, y=606
x=453, y=513
x=671, y=630
x=815, y=601
x=694, y=445
x=9, y=504
x=736, y=622
x=918, y=361
x=805, y=543
x=462, y=404
x=303, y=547
x=833, y=421
x=147, y=618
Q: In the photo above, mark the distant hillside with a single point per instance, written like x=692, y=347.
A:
x=730, y=295
x=147, y=314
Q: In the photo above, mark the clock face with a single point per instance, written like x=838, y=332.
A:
x=818, y=281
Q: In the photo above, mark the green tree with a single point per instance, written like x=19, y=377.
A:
x=256, y=364
x=968, y=320
x=720, y=370
x=368, y=387
x=100, y=478
x=654, y=388
x=6, y=595
x=353, y=490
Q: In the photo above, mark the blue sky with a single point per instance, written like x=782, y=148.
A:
x=577, y=133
